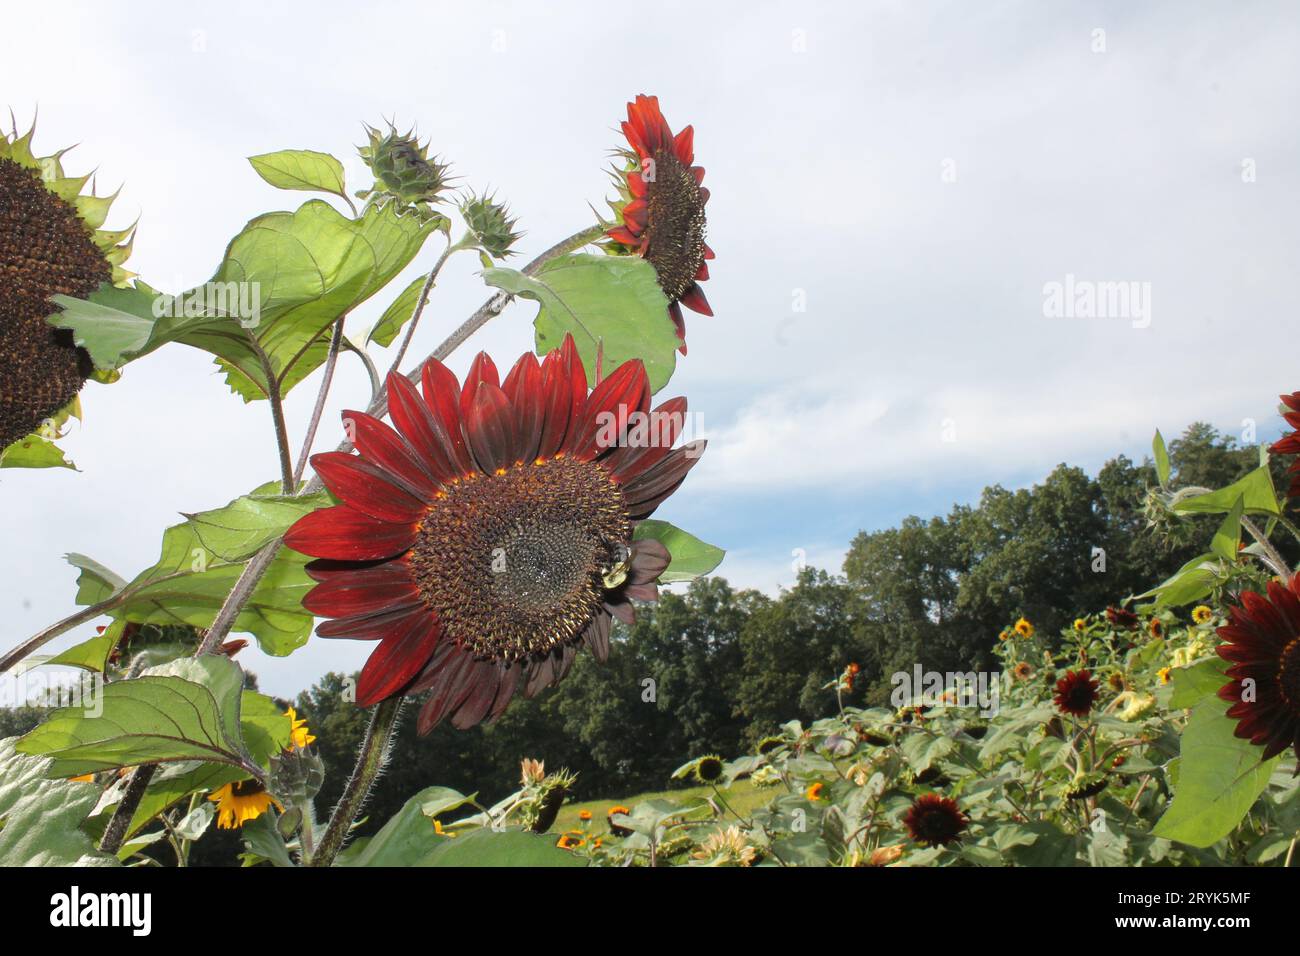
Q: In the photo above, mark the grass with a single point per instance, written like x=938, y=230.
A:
x=742, y=797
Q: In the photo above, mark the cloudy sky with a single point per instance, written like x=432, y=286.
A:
x=894, y=187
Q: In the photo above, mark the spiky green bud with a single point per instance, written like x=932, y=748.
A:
x=490, y=224
x=403, y=168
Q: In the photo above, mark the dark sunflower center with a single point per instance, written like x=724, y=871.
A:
x=45, y=249
x=937, y=824
x=513, y=564
x=246, y=788
x=1288, y=675
x=674, y=224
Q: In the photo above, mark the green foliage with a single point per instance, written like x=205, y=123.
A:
x=40, y=818
x=201, y=560
x=189, y=709
x=610, y=304
x=301, y=169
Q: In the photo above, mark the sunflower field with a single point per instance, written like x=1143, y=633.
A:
x=481, y=533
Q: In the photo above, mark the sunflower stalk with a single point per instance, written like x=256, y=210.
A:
x=370, y=760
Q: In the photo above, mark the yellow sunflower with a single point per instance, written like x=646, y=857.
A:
x=1202, y=614
x=1024, y=628
x=814, y=792
x=1080, y=624
x=299, y=735
x=1163, y=674
x=241, y=801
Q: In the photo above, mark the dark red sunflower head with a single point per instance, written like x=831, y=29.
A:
x=1289, y=444
x=1121, y=618
x=1264, y=650
x=933, y=820
x=662, y=210
x=489, y=535
x=1076, y=692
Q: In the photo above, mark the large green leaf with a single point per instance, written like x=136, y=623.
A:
x=1193, y=684
x=40, y=817
x=397, y=314
x=1220, y=777
x=33, y=451
x=184, y=710
x=1193, y=581
x=1228, y=536
x=1255, y=490
x=406, y=839
x=310, y=267
x=301, y=169
x=200, y=561
x=610, y=302
x=487, y=847
x=691, y=557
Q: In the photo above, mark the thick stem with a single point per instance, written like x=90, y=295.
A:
x=41, y=638
x=336, y=340
x=1271, y=556
x=281, y=436
x=118, y=825
x=244, y=587
x=374, y=748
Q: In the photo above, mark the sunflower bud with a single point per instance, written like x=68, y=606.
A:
x=403, y=168
x=490, y=224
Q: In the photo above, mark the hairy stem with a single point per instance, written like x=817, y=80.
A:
x=120, y=823
x=1271, y=556
x=244, y=587
x=374, y=748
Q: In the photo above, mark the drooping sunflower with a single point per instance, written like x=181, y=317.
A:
x=661, y=208
x=241, y=801
x=51, y=244
x=708, y=769
x=934, y=820
x=1076, y=692
x=490, y=535
x=1263, y=648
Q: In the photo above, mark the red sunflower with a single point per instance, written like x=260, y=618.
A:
x=1076, y=692
x=1289, y=444
x=1264, y=649
x=934, y=820
x=663, y=217
x=489, y=535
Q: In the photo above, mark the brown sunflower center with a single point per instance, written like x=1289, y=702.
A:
x=512, y=564
x=1288, y=675
x=674, y=224
x=45, y=249
x=246, y=788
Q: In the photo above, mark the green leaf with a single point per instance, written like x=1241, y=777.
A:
x=406, y=839
x=1219, y=780
x=1162, y=458
x=1228, y=536
x=301, y=169
x=34, y=451
x=1193, y=581
x=309, y=267
x=397, y=314
x=184, y=710
x=1194, y=684
x=200, y=561
x=487, y=847
x=1255, y=491
x=40, y=818
x=611, y=301
x=691, y=557
x=265, y=728
x=91, y=655
x=922, y=750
